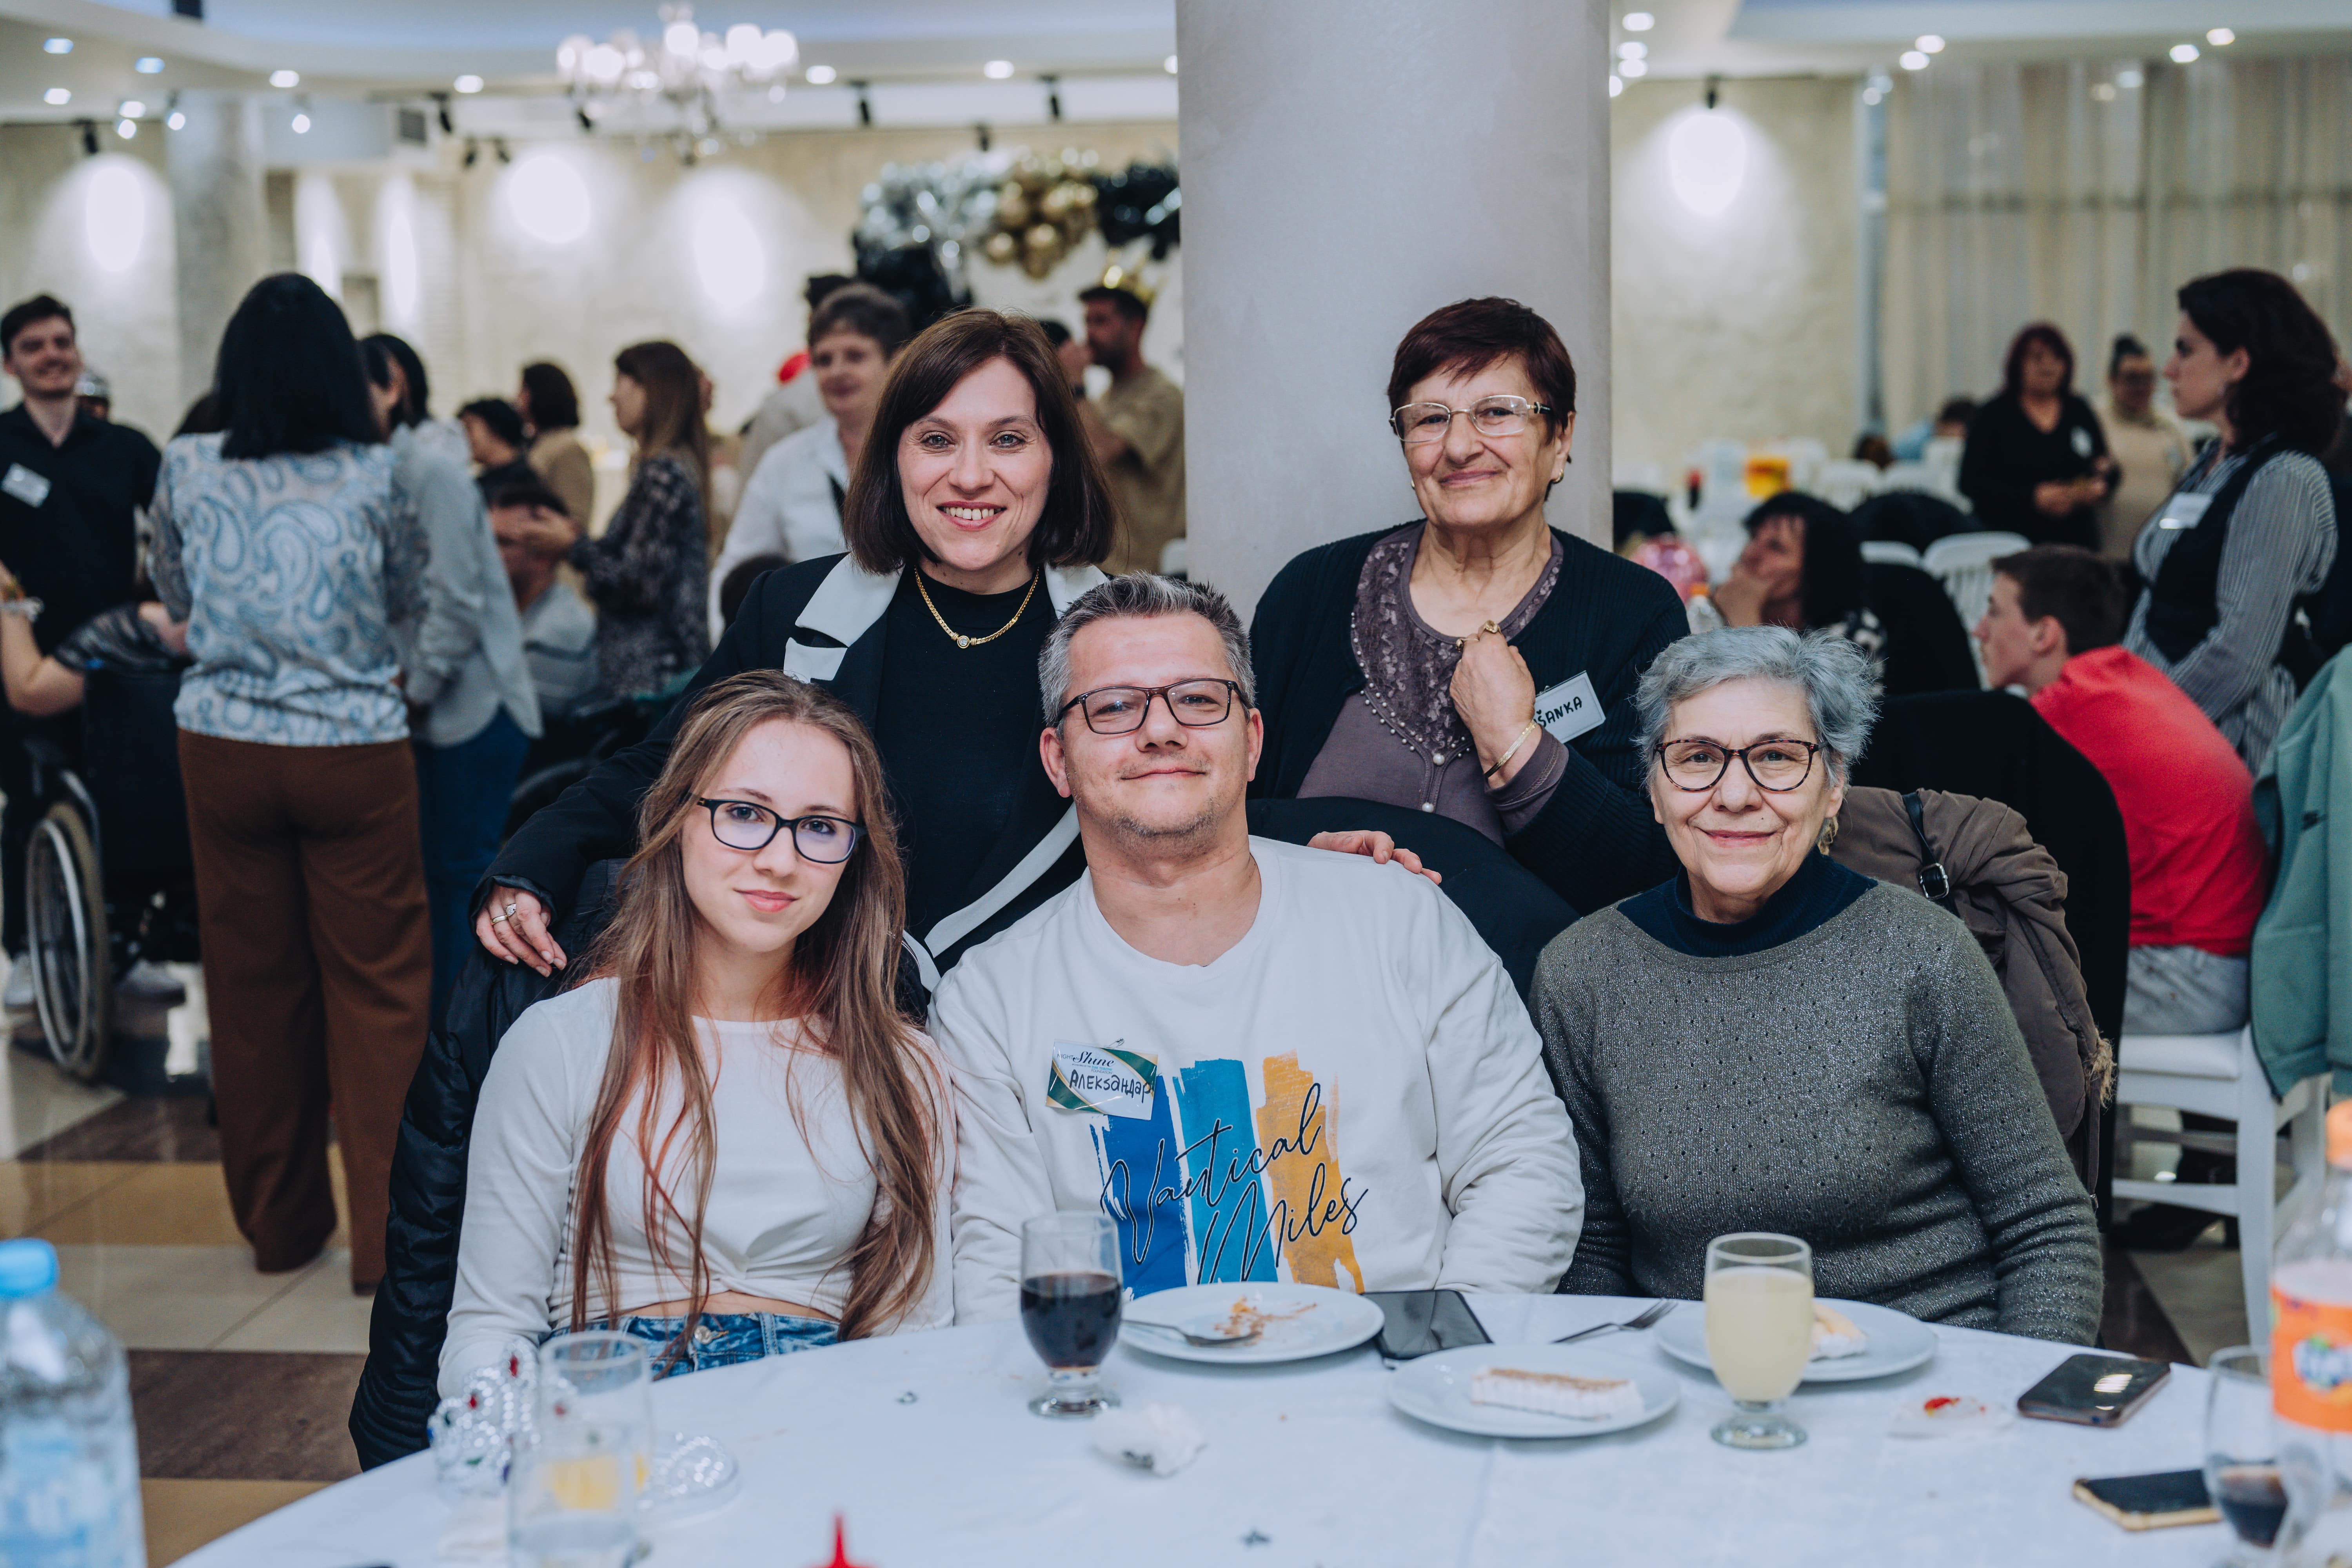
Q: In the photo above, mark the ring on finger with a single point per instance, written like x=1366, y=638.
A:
x=497, y=920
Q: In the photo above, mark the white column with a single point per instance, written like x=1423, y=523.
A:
x=213, y=163
x=1350, y=165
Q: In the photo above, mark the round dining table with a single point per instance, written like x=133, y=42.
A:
x=922, y=1444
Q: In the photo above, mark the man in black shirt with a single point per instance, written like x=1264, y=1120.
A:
x=69, y=488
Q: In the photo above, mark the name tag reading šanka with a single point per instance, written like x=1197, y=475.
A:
x=2184, y=512
x=26, y=486
x=1570, y=709
x=1104, y=1079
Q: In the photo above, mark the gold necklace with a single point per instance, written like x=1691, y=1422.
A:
x=961, y=640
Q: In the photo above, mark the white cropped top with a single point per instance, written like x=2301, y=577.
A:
x=789, y=1196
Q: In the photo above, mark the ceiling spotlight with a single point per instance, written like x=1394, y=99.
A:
x=1638, y=21
x=580, y=115
x=2221, y=38
x=1169, y=65
x=473, y=152
x=469, y=82
x=1913, y=61
x=441, y=108
x=58, y=97
x=1616, y=84
x=148, y=64
x=2129, y=80
x=820, y=75
x=1931, y=43
x=89, y=138
x=300, y=124
x=2184, y=53
x=284, y=78
x=506, y=154
x=997, y=70
x=175, y=120
x=126, y=129
x=133, y=109
x=57, y=46
x=1632, y=49
x=1630, y=70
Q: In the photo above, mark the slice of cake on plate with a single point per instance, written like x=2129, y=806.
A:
x=1555, y=1393
x=1835, y=1334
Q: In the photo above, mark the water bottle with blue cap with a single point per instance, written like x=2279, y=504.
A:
x=68, y=1458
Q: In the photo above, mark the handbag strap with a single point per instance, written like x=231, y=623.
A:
x=1935, y=881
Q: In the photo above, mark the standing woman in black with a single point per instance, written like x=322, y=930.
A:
x=2252, y=526
x=974, y=517
x=1475, y=664
x=2036, y=463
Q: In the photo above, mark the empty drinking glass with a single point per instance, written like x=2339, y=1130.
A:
x=572, y=1498
x=2242, y=1454
x=1070, y=1307
x=1760, y=1333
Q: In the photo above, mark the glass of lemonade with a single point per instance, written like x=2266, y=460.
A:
x=1760, y=1333
x=572, y=1496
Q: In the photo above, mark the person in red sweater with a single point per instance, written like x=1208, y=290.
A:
x=2199, y=870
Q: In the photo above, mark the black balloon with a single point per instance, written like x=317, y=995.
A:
x=1142, y=202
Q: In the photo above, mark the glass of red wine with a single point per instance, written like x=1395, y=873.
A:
x=1069, y=1308
x=2242, y=1453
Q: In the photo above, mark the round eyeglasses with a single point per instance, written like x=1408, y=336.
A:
x=1120, y=709
x=1418, y=423
x=1777, y=765
x=740, y=825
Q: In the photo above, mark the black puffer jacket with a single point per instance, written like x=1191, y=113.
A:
x=397, y=1392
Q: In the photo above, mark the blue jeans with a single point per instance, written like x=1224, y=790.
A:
x=724, y=1339
x=462, y=794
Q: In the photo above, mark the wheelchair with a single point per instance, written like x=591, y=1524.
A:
x=109, y=877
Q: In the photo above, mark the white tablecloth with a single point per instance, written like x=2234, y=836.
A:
x=1309, y=1464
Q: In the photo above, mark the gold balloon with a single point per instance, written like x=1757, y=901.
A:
x=1012, y=208
x=1002, y=248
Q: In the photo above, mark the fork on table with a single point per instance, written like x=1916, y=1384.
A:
x=1650, y=1315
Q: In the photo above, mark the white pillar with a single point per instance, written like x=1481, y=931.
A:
x=1350, y=165
x=219, y=222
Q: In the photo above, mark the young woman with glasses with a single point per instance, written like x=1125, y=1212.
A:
x=1476, y=663
x=1770, y=1041
x=726, y=1140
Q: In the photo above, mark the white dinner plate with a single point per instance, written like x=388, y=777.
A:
x=1302, y=1321
x=1899, y=1341
x=1437, y=1389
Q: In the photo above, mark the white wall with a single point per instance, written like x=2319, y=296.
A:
x=1741, y=323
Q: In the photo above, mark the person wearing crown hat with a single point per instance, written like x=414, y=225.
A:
x=1136, y=427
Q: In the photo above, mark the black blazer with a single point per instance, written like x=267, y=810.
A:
x=2008, y=454
x=1595, y=841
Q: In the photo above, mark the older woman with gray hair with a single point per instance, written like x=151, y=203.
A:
x=1772, y=1042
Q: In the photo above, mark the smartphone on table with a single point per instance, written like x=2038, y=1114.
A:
x=2150, y=1502
x=2093, y=1390
x=1422, y=1322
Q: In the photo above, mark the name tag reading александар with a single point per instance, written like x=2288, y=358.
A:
x=1570, y=709
x=1102, y=1078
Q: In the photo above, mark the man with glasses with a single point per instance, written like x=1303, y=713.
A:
x=1264, y=1062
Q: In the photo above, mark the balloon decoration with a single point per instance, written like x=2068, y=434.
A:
x=1017, y=208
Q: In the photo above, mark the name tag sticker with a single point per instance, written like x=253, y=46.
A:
x=1570, y=709
x=1102, y=1078
x=2081, y=442
x=26, y=485
x=2184, y=512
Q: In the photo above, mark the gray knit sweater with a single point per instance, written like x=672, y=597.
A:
x=1862, y=1086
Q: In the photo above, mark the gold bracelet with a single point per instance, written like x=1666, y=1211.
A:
x=1501, y=762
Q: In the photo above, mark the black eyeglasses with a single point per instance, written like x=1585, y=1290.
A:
x=1120, y=709
x=1777, y=765
x=740, y=825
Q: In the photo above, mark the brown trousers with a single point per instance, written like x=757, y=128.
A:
x=318, y=966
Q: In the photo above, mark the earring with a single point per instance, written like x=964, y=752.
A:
x=1827, y=835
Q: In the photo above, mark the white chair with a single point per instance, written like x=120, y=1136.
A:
x=1891, y=553
x=2219, y=1075
x=1921, y=478
x=1962, y=563
x=1846, y=484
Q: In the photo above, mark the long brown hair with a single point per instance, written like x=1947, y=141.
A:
x=673, y=422
x=1075, y=527
x=841, y=985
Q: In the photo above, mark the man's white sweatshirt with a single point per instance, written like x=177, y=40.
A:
x=1352, y=1095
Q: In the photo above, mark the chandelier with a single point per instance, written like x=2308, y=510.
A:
x=690, y=70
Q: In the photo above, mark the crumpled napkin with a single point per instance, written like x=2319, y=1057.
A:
x=476, y=1531
x=1161, y=1438
x=1946, y=1415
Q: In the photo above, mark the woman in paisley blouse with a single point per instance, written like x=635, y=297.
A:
x=1476, y=663
x=289, y=547
x=649, y=573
